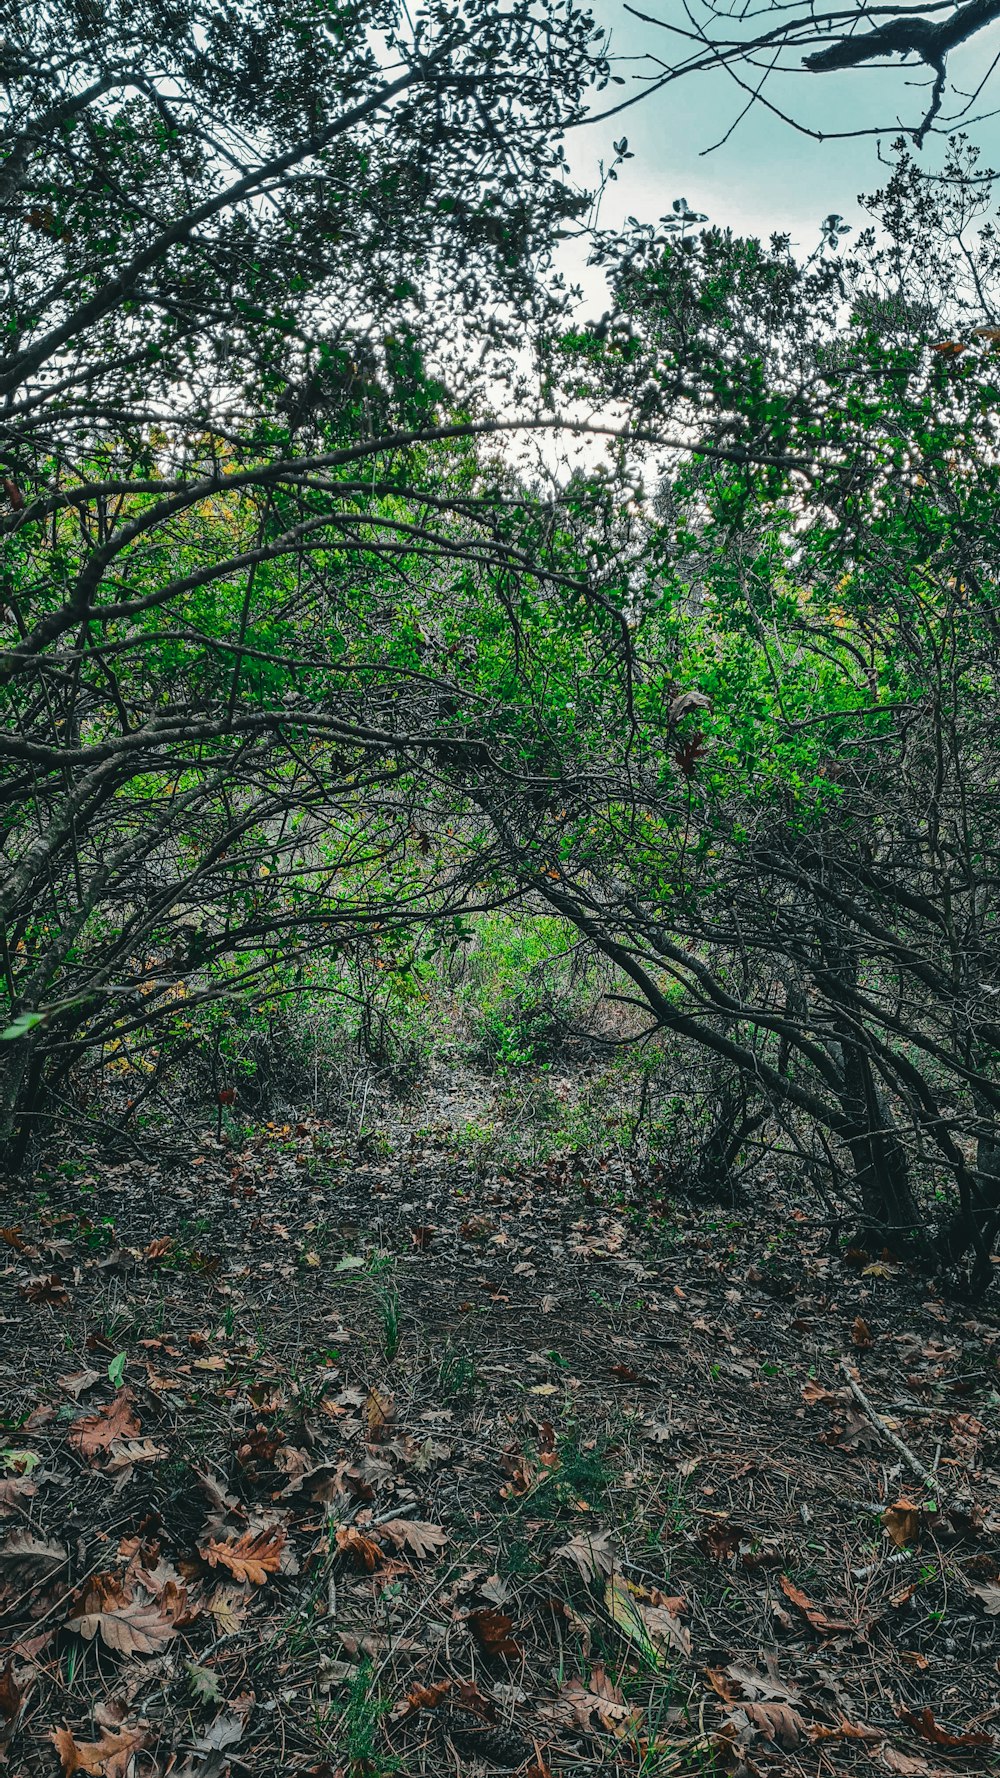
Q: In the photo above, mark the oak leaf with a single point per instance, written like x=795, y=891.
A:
x=25, y=1549
x=925, y=1724
x=988, y=1595
x=93, y=1433
x=421, y=1697
x=251, y=1557
x=366, y=1551
x=776, y=1722
x=132, y=1626
x=902, y=1521
x=110, y=1757
x=492, y=1631
x=11, y=1698
x=14, y=1489
x=415, y=1535
x=124, y=1453
x=591, y=1552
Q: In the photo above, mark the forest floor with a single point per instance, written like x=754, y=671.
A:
x=317, y=1463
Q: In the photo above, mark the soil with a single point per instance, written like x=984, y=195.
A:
x=319, y=1460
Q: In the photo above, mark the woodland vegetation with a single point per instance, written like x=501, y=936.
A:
x=410, y=677
x=310, y=664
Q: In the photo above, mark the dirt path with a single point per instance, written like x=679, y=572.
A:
x=329, y=1465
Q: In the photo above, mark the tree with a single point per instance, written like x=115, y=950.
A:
x=262, y=264
x=790, y=852
x=765, y=46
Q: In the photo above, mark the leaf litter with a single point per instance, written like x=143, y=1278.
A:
x=551, y=1487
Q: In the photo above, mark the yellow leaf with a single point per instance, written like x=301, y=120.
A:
x=626, y=1614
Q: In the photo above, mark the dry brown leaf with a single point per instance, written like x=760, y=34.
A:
x=378, y=1414
x=988, y=1595
x=776, y=1722
x=845, y=1730
x=908, y=1765
x=14, y=1489
x=25, y=1549
x=48, y=1289
x=813, y=1393
x=415, y=1535
x=492, y=1630
x=812, y=1613
x=925, y=1724
x=93, y=1433
x=421, y=1697
x=665, y=1629
x=11, y=1698
x=601, y=1699
x=109, y=1757
x=132, y=1626
x=591, y=1552
x=251, y=1557
x=75, y=1383
x=902, y=1522
x=124, y=1453
x=228, y=1607
x=362, y=1548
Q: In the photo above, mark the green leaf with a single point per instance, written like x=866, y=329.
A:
x=22, y=1462
x=204, y=1683
x=116, y=1369
x=21, y=1026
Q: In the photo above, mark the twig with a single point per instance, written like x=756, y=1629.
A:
x=930, y=1481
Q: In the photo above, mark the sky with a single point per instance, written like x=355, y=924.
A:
x=766, y=177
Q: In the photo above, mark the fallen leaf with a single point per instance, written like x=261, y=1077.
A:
x=251, y=1557
x=988, y=1595
x=364, y=1550
x=109, y=1757
x=11, y=1697
x=14, y=1489
x=902, y=1522
x=415, y=1535
x=906, y=1765
x=24, y=1548
x=204, y=1683
x=666, y=1629
x=813, y=1393
x=75, y=1383
x=228, y=1607
x=776, y=1722
x=625, y=1611
x=861, y=1333
x=225, y=1731
x=925, y=1724
x=421, y=1697
x=93, y=1433
x=123, y=1453
x=602, y=1699
x=492, y=1630
x=132, y=1626
x=812, y=1613
x=377, y=1414
x=591, y=1552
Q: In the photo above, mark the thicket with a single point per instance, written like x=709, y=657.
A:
x=315, y=689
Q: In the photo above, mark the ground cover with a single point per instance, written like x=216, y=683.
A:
x=337, y=1460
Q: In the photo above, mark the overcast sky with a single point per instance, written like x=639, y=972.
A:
x=767, y=176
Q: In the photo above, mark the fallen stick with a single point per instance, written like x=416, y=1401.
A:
x=931, y=1482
